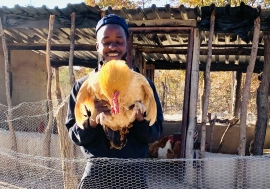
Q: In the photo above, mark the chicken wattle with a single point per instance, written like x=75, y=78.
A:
x=115, y=106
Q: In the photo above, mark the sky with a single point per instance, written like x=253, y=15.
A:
x=52, y=3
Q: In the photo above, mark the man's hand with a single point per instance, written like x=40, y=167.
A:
x=139, y=116
x=100, y=106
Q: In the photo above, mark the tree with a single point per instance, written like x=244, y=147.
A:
x=115, y=4
x=118, y=4
x=194, y=3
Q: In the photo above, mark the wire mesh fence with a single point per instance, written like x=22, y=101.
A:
x=29, y=167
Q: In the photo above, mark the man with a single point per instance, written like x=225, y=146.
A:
x=112, y=44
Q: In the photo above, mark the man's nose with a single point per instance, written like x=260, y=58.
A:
x=113, y=45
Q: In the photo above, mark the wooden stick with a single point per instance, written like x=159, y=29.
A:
x=48, y=130
x=9, y=114
x=262, y=101
x=57, y=87
x=212, y=125
x=8, y=88
x=237, y=94
x=207, y=85
x=230, y=125
x=246, y=89
x=192, y=121
x=71, y=53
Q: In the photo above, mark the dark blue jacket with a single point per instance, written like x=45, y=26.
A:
x=94, y=141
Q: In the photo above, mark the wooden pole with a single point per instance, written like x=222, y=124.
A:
x=71, y=52
x=207, y=85
x=8, y=89
x=129, y=52
x=138, y=60
x=48, y=130
x=241, y=169
x=212, y=127
x=262, y=101
x=57, y=87
x=233, y=87
x=237, y=94
x=230, y=125
x=72, y=150
x=66, y=148
x=187, y=94
x=246, y=89
x=9, y=115
x=193, y=95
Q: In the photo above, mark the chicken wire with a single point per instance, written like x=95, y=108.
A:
x=27, y=167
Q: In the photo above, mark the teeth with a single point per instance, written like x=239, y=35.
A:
x=112, y=54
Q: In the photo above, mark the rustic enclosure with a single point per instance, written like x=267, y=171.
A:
x=37, y=40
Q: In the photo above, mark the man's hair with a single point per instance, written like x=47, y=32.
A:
x=112, y=19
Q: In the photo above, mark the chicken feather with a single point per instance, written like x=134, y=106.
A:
x=133, y=94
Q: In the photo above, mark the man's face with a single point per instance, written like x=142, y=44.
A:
x=112, y=42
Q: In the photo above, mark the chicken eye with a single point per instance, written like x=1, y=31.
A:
x=131, y=106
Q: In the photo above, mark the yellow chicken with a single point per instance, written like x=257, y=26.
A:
x=127, y=92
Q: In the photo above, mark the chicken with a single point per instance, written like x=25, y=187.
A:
x=153, y=148
x=126, y=91
x=162, y=152
x=175, y=152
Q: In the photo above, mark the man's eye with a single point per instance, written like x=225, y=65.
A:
x=120, y=42
x=106, y=43
x=131, y=106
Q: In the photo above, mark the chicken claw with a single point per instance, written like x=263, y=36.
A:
x=138, y=107
x=102, y=119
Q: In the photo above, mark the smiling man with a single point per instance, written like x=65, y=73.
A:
x=94, y=139
x=112, y=38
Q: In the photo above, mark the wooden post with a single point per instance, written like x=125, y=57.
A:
x=192, y=120
x=150, y=69
x=57, y=87
x=241, y=177
x=66, y=148
x=233, y=87
x=237, y=94
x=72, y=81
x=48, y=130
x=71, y=52
x=246, y=89
x=212, y=127
x=14, y=146
x=207, y=85
x=230, y=125
x=8, y=89
x=193, y=95
x=144, y=67
x=129, y=53
x=262, y=100
x=139, y=60
x=186, y=103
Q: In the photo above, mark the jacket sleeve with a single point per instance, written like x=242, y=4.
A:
x=152, y=133
x=78, y=136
